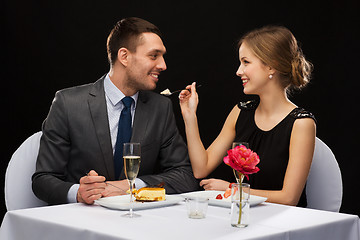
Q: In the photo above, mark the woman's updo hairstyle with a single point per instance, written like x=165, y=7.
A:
x=277, y=47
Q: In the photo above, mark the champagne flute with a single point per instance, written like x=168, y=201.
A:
x=235, y=144
x=132, y=156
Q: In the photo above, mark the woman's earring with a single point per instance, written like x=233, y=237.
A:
x=270, y=76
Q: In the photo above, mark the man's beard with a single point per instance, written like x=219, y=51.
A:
x=134, y=82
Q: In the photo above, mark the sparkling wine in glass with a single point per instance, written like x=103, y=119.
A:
x=132, y=159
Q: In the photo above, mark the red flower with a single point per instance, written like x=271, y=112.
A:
x=243, y=160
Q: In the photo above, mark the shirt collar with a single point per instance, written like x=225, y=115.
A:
x=114, y=94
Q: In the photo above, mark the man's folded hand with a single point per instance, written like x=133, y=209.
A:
x=91, y=188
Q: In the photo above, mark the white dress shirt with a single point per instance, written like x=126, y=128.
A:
x=114, y=106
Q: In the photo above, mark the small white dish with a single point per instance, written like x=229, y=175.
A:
x=225, y=202
x=123, y=202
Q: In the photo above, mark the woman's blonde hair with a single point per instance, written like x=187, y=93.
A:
x=277, y=47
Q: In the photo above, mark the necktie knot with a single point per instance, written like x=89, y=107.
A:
x=127, y=101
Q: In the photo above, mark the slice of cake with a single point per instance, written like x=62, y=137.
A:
x=149, y=194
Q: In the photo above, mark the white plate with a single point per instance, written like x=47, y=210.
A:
x=123, y=202
x=225, y=202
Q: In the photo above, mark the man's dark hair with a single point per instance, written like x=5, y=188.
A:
x=126, y=34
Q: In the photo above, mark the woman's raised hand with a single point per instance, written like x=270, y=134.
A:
x=189, y=100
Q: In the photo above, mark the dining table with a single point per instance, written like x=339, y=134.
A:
x=95, y=222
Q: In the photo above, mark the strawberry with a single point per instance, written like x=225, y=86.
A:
x=227, y=193
x=219, y=196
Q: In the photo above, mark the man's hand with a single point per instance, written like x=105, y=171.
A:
x=91, y=187
x=115, y=188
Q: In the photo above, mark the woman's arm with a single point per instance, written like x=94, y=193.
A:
x=204, y=161
x=301, y=150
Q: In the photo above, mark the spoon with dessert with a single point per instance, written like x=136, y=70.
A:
x=168, y=93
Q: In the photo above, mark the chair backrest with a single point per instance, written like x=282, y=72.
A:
x=18, y=189
x=324, y=184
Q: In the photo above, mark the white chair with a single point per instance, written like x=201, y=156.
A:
x=324, y=184
x=18, y=190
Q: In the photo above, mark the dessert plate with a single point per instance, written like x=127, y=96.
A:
x=225, y=202
x=123, y=202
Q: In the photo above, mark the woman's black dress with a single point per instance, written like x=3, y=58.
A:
x=272, y=146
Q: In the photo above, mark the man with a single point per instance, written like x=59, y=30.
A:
x=80, y=134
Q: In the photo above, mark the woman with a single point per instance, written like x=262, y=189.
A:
x=283, y=135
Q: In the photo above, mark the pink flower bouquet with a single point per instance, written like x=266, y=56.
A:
x=242, y=160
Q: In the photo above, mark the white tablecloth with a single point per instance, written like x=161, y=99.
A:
x=268, y=221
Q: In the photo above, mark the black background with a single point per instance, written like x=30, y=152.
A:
x=51, y=45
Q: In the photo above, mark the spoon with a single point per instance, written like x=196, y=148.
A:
x=122, y=190
x=168, y=93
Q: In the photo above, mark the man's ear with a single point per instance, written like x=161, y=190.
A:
x=123, y=56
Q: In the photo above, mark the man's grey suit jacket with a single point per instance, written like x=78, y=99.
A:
x=76, y=139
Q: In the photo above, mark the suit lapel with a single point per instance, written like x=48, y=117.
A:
x=98, y=110
x=141, y=118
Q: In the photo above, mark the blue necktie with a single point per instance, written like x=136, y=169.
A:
x=123, y=136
